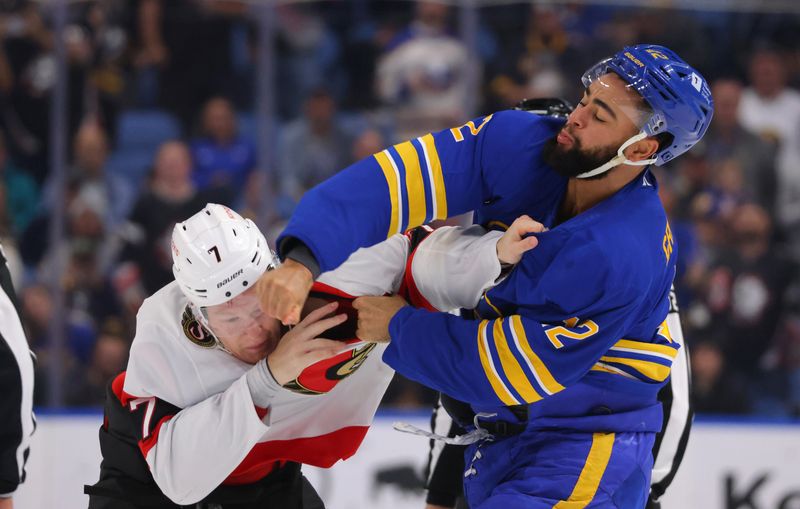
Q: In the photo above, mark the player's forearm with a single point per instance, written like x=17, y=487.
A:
x=6, y=503
x=454, y=266
x=440, y=351
x=201, y=446
x=505, y=361
x=412, y=183
x=339, y=216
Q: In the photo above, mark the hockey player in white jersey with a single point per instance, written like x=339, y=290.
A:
x=220, y=405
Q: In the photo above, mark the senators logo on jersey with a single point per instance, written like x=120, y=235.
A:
x=323, y=376
x=195, y=331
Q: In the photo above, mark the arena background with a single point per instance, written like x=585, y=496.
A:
x=120, y=117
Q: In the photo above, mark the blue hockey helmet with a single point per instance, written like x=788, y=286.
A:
x=676, y=93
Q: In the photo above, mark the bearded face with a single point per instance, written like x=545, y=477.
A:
x=572, y=159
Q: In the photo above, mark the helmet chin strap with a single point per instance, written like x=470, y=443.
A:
x=619, y=158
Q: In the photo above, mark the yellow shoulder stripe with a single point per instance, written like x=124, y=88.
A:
x=393, y=181
x=435, y=176
x=414, y=184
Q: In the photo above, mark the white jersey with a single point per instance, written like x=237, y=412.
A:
x=199, y=425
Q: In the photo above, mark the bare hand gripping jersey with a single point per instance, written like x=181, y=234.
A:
x=182, y=415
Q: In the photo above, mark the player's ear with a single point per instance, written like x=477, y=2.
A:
x=642, y=149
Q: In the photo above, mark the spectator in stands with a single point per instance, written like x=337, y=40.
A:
x=22, y=193
x=91, y=248
x=315, y=146
x=26, y=82
x=37, y=311
x=170, y=197
x=182, y=49
x=369, y=142
x=110, y=193
x=745, y=290
x=714, y=389
x=424, y=74
x=547, y=54
x=97, y=31
x=687, y=266
x=692, y=178
x=770, y=108
x=727, y=189
x=728, y=139
x=308, y=57
x=87, y=386
x=223, y=158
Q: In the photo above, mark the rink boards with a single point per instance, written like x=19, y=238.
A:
x=729, y=464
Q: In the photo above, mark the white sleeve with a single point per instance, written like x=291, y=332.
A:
x=454, y=265
x=192, y=438
x=451, y=268
x=202, y=444
x=375, y=270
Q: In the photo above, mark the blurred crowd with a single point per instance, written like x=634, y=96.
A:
x=160, y=118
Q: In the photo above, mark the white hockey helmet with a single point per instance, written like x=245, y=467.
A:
x=217, y=254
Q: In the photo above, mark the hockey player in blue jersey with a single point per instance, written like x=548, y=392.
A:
x=565, y=357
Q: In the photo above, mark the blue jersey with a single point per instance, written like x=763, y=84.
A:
x=217, y=165
x=576, y=331
x=490, y=165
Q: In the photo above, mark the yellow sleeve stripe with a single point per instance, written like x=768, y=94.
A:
x=414, y=185
x=594, y=468
x=488, y=367
x=661, y=351
x=606, y=368
x=392, y=175
x=438, y=193
x=511, y=366
x=651, y=370
x=543, y=376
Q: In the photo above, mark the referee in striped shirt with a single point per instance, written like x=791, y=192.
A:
x=16, y=396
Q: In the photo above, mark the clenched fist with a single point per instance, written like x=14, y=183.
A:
x=374, y=315
x=283, y=291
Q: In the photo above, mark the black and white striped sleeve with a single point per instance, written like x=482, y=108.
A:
x=445, y=469
x=671, y=442
x=16, y=397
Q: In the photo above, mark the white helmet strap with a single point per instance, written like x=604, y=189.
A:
x=620, y=158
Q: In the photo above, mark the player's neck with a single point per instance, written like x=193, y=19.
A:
x=583, y=194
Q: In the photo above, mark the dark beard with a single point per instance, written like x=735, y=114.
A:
x=573, y=161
